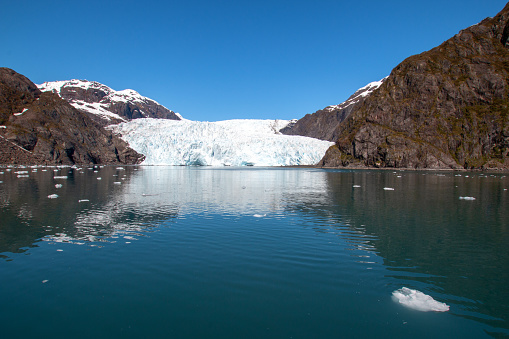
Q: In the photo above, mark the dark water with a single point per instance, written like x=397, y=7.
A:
x=173, y=252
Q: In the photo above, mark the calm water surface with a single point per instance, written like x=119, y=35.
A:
x=175, y=252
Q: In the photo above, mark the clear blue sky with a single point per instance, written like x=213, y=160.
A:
x=216, y=60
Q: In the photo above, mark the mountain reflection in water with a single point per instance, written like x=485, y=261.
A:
x=411, y=228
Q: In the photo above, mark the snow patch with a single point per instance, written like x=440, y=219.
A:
x=418, y=301
x=358, y=95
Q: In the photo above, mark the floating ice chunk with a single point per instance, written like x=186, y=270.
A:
x=418, y=301
x=58, y=185
x=60, y=177
x=53, y=196
x=117, y=182
x=99, y=178
x=23, y=176
x=259, y=215
x=467, y=198
x=45, y=281
x=21, y=172
x=1, y=182
x=120, y=168
x=388, y=188
x=83, y=200
x=356, y=186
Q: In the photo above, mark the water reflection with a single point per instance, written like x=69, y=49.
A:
x=430, y=238
x=412, y=225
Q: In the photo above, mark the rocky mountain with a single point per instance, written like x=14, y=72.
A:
x=42, y=128
x=105, y=105
x=444, y=108
x=323, y=124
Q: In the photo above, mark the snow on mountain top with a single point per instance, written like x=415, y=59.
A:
x=360, y=93
x=56, y=86
x=98, y=108
x=246, y=142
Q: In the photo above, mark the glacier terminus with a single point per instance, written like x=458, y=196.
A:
x=242, y=142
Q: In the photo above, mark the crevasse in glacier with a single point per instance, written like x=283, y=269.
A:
x=246, y=142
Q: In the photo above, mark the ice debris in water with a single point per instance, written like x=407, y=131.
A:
x=60, y=177
x=418, y=301
x=58, y=185
x=83, y=200
x=53, y=196
x=356, y=186
x=467, y=198
x=388, y=188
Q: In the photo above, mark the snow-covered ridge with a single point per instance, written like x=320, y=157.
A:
x=358, y=95
x=224, y=143
x=98, y=99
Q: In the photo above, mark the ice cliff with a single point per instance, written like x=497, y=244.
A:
x=223, y=143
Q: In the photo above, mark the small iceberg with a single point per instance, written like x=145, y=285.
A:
x=83, y=200
x=356, y=186
x=53, y=196
x=388, y=188
x=60, y=177
x=58, y=185
x=418, y=301
x=467, y=198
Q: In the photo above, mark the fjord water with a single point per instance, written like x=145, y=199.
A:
x=194, y=252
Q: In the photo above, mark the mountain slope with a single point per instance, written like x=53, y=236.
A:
x=105, y=105
x=444, y=108
x=42, y=128
x=323, y=123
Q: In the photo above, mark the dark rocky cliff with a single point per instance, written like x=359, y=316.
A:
x=444, y=108
x=42, y=128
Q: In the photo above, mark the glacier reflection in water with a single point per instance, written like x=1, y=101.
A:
x=251, y=252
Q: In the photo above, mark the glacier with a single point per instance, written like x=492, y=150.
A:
x=241, y=142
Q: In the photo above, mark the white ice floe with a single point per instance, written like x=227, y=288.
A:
x=53, y=196
x=83, y=200
x=388, y=188
x=117, y=182
x=60, y=177
x=418, y=301
x=23, y=176
x=356, y=186
x=58, y=185
x=467, y=198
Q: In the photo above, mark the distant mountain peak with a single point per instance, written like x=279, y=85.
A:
x=359, y=94
x=106, y=105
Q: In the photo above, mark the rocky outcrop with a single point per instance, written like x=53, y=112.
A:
x=444, y=108
x=42, y=128
x=105, y=105
x=323, y=124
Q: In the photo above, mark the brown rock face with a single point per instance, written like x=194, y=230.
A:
x=42, y=128
x=445, y=108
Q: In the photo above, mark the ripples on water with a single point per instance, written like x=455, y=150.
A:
x=208, y=252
